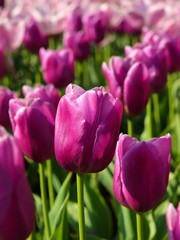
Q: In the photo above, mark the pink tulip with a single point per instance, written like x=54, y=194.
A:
x=47, y=93
x=86, y=129
x=17, y=211
x=173, y=222
x=5, y=95
x=32, y=121
x=141, y=171
x=58, y=66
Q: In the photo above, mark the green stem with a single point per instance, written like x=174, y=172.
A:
x=50, y=184
x=44, y=198
x=139, y=221
x=130, y=127
x=80, y=196
x=149, y=113
x=170, y=97
x=51, y=42
x=157, y=118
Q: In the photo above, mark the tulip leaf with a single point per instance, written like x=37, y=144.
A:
x=56, y=212
x=72, y=210
x=106, y=179
x=99, y=212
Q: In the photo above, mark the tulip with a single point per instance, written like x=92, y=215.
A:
x=141, y=171
x=3, y=68
x=128, y=81
x=33, y=126
x=96, y=26
x=173, y=222
x=47, y=93
x=78, y=42
x=58, y=66
x=34, y=39
x=5, y=95
x=17, y=211
x=155, y=61
x=74, y=21
x=86, y=129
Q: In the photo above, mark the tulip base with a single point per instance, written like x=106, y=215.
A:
x=80, y=198
x=139, y=222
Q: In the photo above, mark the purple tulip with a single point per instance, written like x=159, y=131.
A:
x=173, y=222
x=86, y=129
x=155, y=60
x=2, y=2
x=34, y=39
x=78, y=42
x=3, y=68
x=5, y=95
x=74, y=21
x=96, y=26
x=33, y=126
x=58, y=66
x=128, y=81
x=141, y=171
x=47, y=93
x=17, y=211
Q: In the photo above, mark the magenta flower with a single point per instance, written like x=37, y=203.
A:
x=34, y=39
x=5, y=95
x=173, y=222
x=3, y=68
x=128, y=81
x=47, y=93
x=86, y=129
x=17, y=211
x=74, y=21
x=58, y=66
x=155, y=60
x=33, y=126
x=96, y=26
x=141, y=171
x=78, y=42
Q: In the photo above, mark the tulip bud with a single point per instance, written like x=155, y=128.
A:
x=74, y=21
x=58, y=66
x=141, y=171
x=47, y=93
x=86, y=129
x=173, y=222
x=17, y=211
x=128, y=81
x=34, y=39
x=78, y=42
x=5, y=95
x=33, y=126
x=3, y=68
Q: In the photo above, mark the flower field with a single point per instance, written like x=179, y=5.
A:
x=89, y=120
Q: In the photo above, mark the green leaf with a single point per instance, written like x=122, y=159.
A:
x=99, y=212
x=61, y=200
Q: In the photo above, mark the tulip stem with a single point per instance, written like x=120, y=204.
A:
x=155, y=98
x=80, y=196
x=50, y=184
x=44, y=198
x=139, y=221
x=149, y=113
x=170, y=97
x=51, y=41
x=130, y=127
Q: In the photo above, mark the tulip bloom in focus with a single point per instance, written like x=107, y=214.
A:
x=33, y=126
x=141, y=171
x=128, y=81
x=47, y=93
x=58, y=66
x=17, y=211
x=173, y=222
x=86, y=129
x=5, y=95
